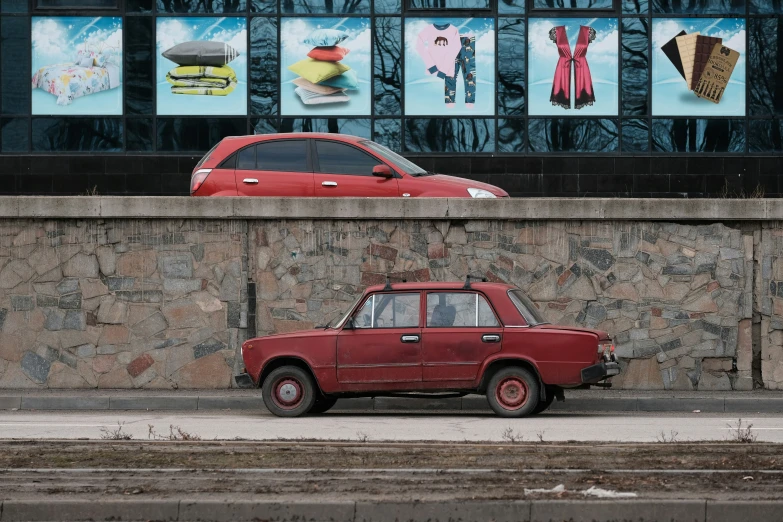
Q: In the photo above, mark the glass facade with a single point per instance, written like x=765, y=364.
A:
x=424, y=77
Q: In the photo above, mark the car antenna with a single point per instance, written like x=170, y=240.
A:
x=469, y=277
x=388, y=287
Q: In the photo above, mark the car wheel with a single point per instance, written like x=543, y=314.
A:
x=322, y=404
x=288, y=391
x=513, y=392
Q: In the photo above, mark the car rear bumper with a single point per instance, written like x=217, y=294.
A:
x=244, y=380
x=599, y=372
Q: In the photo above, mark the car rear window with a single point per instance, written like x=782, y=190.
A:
x=207, y=155
x=278, y=155
x=459, y=310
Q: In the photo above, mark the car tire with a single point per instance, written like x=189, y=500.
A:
x=289, y=391
x=546, y=403
x=513, y=392
x=322, y=404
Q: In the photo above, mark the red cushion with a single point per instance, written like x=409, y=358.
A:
x=334, y=53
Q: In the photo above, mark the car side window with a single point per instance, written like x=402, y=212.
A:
x=246, y=159
x=459, y=310
x=282, y=155
x=389, y=311
x=338, y=158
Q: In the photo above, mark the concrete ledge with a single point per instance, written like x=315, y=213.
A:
x=218, y=510
x=10, y=403
x=608, y=404
x=154, y=403
x=64, y=403
x=394, y=403
x=231, y=403
x=536, y=209
x=769, y=405
x=665, y=404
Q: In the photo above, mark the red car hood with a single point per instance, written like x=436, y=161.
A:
x=442, y=180
x=600, y=333
x=314, y=332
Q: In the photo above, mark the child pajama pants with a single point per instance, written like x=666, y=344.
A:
x=465, y=62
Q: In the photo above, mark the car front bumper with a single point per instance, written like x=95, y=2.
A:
x=599, y=372
x=244, y=380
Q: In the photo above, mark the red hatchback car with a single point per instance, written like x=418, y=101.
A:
x=321, y=165
x=429, y=338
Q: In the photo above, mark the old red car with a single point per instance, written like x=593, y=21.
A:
x=410, y=339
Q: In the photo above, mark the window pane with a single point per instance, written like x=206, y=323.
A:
x=486, y=317
x=698, y=135
x=765, y=62
x=44, y=4
x=286, y=156
x=246, y=160
x=205, y=6
x=397, y=311
x=458, y=310
x=336, y=158
x=635, y=65
x=572, y=4
x=448, y=4
x=387, y=74
x=263, y=66
x=449, y=135
x=699, y=6
x=511, y=66
x=572, y=135
x=636, y=136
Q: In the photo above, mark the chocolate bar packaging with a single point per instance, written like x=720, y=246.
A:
x=716, y=74
x=702, y=52
x=673, y=54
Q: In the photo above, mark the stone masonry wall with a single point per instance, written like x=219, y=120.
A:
x=121, y=304
x=164, y=303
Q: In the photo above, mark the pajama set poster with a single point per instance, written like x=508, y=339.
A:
x=573, y=66
x=450, y=66
x=189, y=85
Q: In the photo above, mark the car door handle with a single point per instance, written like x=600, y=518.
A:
x=490, y=338
x=250, y=180
x=329, y=184
x=410, y=338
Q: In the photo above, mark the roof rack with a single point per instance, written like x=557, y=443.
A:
x=477, y=278
x=388, y=287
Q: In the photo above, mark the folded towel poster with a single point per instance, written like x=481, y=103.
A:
x=711, y=54
x=76, y=65
x=450, y=66
x=573, y=67
x=326, y=66
x=201, y=66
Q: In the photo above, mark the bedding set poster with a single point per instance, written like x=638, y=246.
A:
x=201, y=66
x=450, y=66
x=326, y=66
x=698, y=67
x=77, y=65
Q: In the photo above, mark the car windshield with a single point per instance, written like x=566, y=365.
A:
x=334, y=323
x=526, y=307
x=400, y=162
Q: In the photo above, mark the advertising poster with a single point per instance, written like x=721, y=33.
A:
x=698, y=67
x=573, y=67
x=326, y=66
x=77, y=65
x=201, y=66
x=450, y=67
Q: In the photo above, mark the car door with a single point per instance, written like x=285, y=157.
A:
x=274, y=168
x=461, y=331
x=383, y=345
x=343, y=170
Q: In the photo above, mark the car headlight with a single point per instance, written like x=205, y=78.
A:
x=480, y=193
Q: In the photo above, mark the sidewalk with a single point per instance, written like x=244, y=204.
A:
x=761, y=401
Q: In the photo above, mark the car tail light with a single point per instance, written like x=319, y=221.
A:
x=198, y=179
x=606, y=350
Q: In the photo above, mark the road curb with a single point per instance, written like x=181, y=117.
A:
x=470, y=403
x=218, y=510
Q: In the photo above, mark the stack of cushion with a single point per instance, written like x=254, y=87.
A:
x=322, y=78
x=203, y=68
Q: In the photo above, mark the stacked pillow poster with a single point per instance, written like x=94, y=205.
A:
x=76, y=65
x=202, y=66
x=326, y=68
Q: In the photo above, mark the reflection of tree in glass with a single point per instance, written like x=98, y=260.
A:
x=699, y=6
x=573, y=135
x=635, y=66
x=263, y=66
x=698, y=135
x=325, y=6
x=573, y=4
x=766, y=62
x=200, y=6
x=387, y=76
x=449, y=135
x=449, y=4
x=511, y=67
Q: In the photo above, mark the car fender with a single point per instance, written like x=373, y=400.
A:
x=509, y=358
x=321, y=374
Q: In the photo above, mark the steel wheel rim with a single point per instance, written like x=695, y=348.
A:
x=287, y=393
x=511, y=393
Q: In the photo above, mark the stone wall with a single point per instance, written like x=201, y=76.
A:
x=121, y=304
x=135, y=303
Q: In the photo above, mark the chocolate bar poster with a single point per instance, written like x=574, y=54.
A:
x=325, y=66
x=450, y=66
x=681, y=51
x=201, y=66
x=573, y=67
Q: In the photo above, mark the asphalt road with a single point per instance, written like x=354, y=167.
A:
x=402, y=427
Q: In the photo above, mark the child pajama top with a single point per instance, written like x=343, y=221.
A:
x=446, y=53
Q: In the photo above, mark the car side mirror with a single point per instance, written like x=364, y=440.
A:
x=382, y=171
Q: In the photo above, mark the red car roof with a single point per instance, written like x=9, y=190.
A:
x=297, y=135
x=435, y=285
